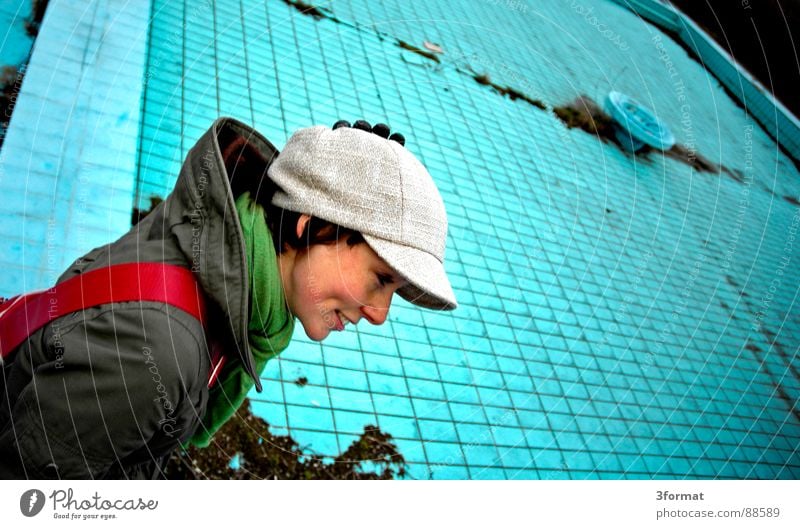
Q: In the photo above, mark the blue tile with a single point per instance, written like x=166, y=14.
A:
x=310, y=418
x=450, y=472
x=443, y=454
x=342, y=399
x=353, y=422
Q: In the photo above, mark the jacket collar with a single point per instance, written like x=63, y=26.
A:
x=202, y=215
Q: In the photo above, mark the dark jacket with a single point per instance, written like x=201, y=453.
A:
x=110, y=391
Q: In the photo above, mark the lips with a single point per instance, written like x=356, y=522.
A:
x=339, y=325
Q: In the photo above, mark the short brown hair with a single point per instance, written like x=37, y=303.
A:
x=283, y=223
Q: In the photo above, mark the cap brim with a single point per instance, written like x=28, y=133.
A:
x=428, y=285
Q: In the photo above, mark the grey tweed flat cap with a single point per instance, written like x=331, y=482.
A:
x=358, y=180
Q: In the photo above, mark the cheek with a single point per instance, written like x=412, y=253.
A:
x=305, y=290
x=353, y=290
x=324, y=281
x=317, y=289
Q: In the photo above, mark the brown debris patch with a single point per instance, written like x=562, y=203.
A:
x=512, y=93
x=419, y=51
x=307, y=9
x=515, y=94
x=752, y=347
x=736, y=174
x=766, y=188
x=301, y=381
x=263, y=455
x=694, y=159
x=772, y=339
x=583, y=113
x=482, y=78
x=791, y=200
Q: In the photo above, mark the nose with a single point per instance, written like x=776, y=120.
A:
x=377, y=313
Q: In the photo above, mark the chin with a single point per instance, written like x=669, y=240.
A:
x=316, y=334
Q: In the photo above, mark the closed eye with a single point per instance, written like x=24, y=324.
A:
x=385, y=279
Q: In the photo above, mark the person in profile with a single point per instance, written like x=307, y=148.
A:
x=249, y=242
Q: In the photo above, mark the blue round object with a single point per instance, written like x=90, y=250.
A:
x=637, y=125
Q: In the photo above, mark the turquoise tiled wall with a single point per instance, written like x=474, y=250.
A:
x=620, y=316
x=68, y=162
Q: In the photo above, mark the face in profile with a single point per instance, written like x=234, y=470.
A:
x=331, y=285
